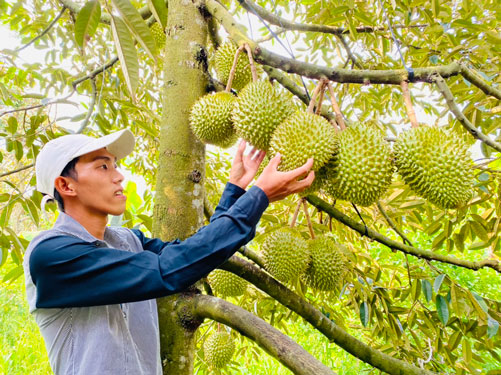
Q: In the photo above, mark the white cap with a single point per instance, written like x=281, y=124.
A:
x=57, y=153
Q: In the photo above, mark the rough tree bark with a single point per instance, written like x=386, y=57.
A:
x=178, y=210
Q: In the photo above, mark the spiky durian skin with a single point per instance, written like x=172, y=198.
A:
x=436, y=164
x=326, y=265
x=226, y=284
x=218, y=349
x=300, y=137
x=259, y=109
x=210, y=119
x=223, y=60
x=285, y=254
x=362, y=167
x=158, y=35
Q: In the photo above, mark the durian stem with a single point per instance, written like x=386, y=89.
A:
x=318, y=91
x=234, y=68
x=251, y=63
x=449, y=98
x=408, y=104
x=321, y=98
x=335, y=108
x=296, y=213
x=308, y=219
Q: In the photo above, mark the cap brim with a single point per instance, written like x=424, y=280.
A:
x=119, y=144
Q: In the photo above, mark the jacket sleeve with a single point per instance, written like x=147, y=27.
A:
x=230, y=195
x=69, y=272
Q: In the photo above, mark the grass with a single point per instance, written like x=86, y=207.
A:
x=22, y=350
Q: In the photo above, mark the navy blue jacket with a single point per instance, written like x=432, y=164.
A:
x=70, y=272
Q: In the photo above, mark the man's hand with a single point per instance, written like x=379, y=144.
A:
x=277, y=185
x=244, y=168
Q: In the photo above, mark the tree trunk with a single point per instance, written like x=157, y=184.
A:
x=178, y=210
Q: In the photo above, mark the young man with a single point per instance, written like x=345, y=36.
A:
x=92, y=288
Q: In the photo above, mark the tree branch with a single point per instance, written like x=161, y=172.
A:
x=91, y=107
x=289, y=65
x=424, y=254
x=472, y=77
x=278, y=345
x=449, y=98
x=49, y=102
x=95, y=72
x=286, y=24
x=349, y=52
x=392, y=224
x=47, y=29
x=318, y=320
x=16, y=170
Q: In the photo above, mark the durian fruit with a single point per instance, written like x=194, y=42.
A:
x=259, y=109
x=300, y=137
x=223, y=60
x=218, y=349
x=285, y=254
x=362, y=167
x=158, y=35
x=327, y=264
x=226, y=284
x=436, y=164
x=210, y=119
x=321, y=180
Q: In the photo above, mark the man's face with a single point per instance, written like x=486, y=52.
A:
x=99, y=183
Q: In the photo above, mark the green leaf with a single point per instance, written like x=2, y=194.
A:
x=492, y=326
x=427, y=291
x=12, y=125
x=159, y=11
x=136, y=25
x=126, y=53
x=87, y=22
x=364, y=313
x=442, y=309
x=438, y=282
x=13, y=274
x=481, y=302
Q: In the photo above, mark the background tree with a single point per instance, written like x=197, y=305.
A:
x=401, y=308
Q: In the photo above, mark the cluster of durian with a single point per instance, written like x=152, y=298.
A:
x=218, y=349
x=356, y=164
x=318, y=262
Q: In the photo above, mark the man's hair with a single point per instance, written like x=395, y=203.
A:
x=68, y=171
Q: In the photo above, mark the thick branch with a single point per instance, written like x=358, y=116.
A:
x=449, y=98
x=278, y=345
x=479, y=82
x=289, y=65
x=252, y=255
x=424, y=254
x=47, y=29
x=145, y=11
x=286, y=24
x=318, y=320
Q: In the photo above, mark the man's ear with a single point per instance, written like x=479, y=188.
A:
x=65, y=186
